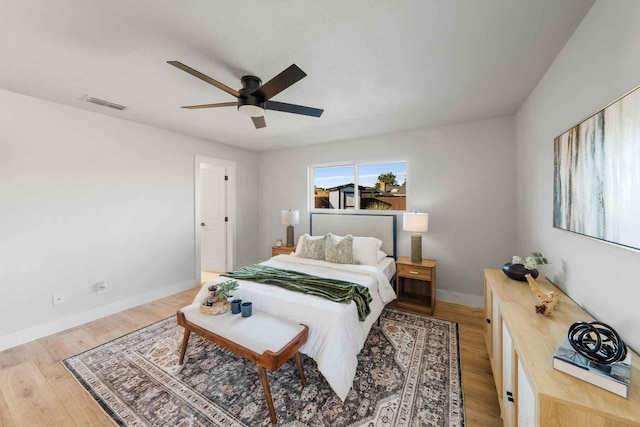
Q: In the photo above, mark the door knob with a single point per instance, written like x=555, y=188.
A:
x=202, y=224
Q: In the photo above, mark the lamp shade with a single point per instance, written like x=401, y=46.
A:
x=289, y=217
x=416, y=222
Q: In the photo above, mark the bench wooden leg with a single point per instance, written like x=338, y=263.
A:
x=267, y=393
x=185, y=341
x=303, y=380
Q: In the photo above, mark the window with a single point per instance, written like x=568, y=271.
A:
x=364, y=186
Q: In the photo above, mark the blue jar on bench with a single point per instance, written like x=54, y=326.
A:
x=246, y=309
x=235, y=306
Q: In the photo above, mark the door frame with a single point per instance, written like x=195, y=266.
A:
x=231, y=212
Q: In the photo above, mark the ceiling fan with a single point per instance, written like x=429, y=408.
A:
x=254, y=97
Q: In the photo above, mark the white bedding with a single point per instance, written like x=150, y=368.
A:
x=388, y=267
x=336, y=336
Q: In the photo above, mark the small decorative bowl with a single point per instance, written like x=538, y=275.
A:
x=517, y=272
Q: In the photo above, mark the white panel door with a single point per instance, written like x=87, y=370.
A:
x=508, y=392
x=496, y=341
x=213, y=214
x=526, y=400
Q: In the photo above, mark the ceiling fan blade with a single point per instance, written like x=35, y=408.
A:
x=280, y=82
x=292, y=108
x=204, y=77
x=259, y=122
x=220, y=104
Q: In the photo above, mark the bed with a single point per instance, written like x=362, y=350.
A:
x=336, y=335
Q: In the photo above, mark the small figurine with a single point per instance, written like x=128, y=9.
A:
x=548, y=301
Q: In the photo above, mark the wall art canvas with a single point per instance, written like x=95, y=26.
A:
x=597, y=174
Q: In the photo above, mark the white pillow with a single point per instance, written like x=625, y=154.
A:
x=381, y=256
x=365, y=249
x=299, y=245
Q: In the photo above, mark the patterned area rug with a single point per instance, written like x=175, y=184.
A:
x=408, y=375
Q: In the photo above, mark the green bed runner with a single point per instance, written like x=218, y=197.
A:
x=331, y=289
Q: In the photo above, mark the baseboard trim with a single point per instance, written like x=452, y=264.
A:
x=459, y=298
x=20, y=337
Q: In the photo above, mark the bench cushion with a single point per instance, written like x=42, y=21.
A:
x=258, y=333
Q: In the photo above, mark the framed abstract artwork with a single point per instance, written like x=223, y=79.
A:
x=597, y=174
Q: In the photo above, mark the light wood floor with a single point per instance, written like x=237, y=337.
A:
x=480, y=396
x=208, y=275
x=36, y=389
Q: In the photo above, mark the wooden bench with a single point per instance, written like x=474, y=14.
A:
x=266, y=340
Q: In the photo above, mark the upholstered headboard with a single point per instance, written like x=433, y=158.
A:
x=382, y=227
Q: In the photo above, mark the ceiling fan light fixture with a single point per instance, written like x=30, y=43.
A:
x=251, y=110
x=254, y=99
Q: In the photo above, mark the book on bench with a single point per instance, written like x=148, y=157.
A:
x=615, y=377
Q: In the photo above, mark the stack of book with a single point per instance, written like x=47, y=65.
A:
x=614, y=377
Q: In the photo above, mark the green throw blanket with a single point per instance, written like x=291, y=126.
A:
x=331, y=289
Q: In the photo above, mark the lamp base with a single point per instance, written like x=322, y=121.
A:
x=416, y=247
x=290, y=236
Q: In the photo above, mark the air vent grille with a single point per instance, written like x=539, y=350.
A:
x=104, y=103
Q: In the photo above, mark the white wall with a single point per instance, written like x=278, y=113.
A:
x=462, y=175
x=599, y=63
x=85, y=198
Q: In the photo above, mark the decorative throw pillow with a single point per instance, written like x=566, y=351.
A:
x=312, y=247
x=339, y=250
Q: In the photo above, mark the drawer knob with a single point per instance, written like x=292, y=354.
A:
x=414, y=272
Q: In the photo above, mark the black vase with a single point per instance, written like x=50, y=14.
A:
x=517, y=272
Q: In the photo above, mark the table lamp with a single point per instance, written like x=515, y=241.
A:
x=417, y=223
x=289, y=218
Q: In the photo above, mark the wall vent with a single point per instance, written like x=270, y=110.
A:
x=104, y=103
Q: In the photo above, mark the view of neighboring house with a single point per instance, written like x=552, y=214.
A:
x=385, y=197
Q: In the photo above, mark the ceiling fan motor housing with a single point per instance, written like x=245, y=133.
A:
x=249, y=85
x=247, y=103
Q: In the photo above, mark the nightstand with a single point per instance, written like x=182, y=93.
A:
x=282, y=250
x=416, y=285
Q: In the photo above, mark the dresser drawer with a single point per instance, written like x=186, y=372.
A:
x=416, y=272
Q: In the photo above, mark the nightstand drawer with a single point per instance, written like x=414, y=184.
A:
x=411, y=271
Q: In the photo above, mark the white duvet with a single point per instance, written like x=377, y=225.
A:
x=336, y=336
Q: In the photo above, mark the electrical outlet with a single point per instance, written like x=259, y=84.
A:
x=58, y=298
x=101, y=288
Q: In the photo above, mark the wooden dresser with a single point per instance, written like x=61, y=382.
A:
x=521, y=346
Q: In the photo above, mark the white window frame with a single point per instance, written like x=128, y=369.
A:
x=311, y=180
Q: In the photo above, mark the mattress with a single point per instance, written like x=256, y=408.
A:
x=388, y=267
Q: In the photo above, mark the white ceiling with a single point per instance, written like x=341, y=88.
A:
x=374, y=66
